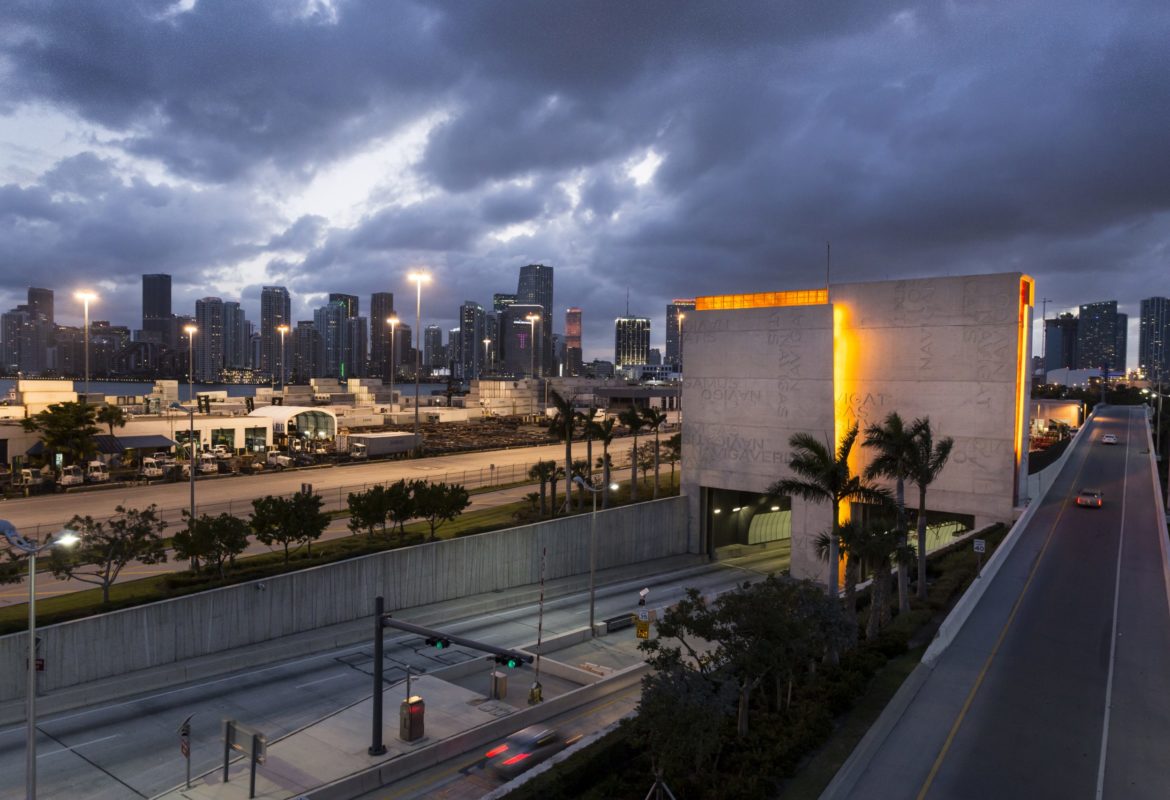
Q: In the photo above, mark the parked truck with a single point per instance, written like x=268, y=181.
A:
x=97, y=472
x=71, y=476
x=152, y=468
x=375, y=445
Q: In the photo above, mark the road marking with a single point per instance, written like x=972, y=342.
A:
x=938, y=761
x=76, y=746
x=1113, y=632
x=322, y=680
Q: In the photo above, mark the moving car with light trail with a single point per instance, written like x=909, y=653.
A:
x=525, y=749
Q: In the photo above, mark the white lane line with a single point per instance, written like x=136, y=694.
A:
x=75, y=746
x=1113, y=631
x=322, y=680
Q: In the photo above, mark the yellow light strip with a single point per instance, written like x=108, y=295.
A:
x=723, y=302
x=1027, y=301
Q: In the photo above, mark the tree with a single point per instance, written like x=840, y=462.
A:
x=646, y=455
x=288, y=521
x=632, y=419
x=590, y=429
x=654, y=418
x=107, y=547
x=874, y=546
x=563, y=424
x=929, y=458
x=215, y=540
x=581, y=469
x=542, y=471
x=894, y=442
x=306, y=519
x=66, y=428
x=605, y=436
x=673, y=450
x=557, y=473
x=438, y=503
x=12, y=569
x=400, y=505
x=111, y=415
x=368, y=510
x=824, y=476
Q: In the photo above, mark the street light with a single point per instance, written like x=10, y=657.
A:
x=393, y=323
x=191, y=453
x=681, y=316
x=594, y=490
x=419, y=279
x=190, y=330
x=282, y=330
x=487, y=355
x=66, y=538
x=86, y=298
x=532, y=320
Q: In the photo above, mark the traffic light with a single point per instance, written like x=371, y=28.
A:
x=438, y=643
x=511, y=662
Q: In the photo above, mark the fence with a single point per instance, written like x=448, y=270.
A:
x=173, y=631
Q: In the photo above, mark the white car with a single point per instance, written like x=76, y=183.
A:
x=1109, y=438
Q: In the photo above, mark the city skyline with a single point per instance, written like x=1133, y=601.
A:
x=918, y=140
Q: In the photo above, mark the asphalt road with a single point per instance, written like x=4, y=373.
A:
x=130, y=748
x=1057, y=685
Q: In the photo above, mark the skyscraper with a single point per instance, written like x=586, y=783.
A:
x=631, y=341
x=573, y=353
x=40, y=304
x=275, y=309
x=1060, y=343
x=350, y=300
x=381, y=309
x=469, y=359
x=306, y=348
x=1101, y=336
x=156, y=309
x=434, y=354
x=536, y=288
x=330, y=321
x=209, y=341
x=1153, y=333
x=235, y=336
x=674, y=351
x=521, y=341
x=356, y=347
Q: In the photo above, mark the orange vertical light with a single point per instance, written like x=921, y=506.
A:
x=1024, y=327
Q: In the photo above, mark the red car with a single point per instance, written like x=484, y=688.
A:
x=1090, y=498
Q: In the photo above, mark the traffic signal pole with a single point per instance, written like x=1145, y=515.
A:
x=377, y=747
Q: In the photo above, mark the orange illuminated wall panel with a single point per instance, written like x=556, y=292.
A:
x=723, y=302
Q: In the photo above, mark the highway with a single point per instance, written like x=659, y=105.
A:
x=130, y=748
x=1056, y=686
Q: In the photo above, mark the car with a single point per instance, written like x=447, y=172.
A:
x=1090, y=498
x=525, y=749
x=1109, y=438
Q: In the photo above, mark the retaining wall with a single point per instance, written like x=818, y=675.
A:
x=251, y=613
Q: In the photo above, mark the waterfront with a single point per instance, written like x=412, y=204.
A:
x=136, y=388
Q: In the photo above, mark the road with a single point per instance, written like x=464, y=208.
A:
x=130, y=748
x=1056, y=687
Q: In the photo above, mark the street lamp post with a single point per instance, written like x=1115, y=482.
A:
x=593, y=490
x=393, y=323
x=17, y=542
x=85, y=298
x=419, y=279
x=681, y=317
x=190, y=330
x=191, y=451
x=532, y=320
x=282, y=330
x=487, y=355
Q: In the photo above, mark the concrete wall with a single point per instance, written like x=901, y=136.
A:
x=946, y=348
x=210, y=622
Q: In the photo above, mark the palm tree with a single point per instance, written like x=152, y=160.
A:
x=824, y=477
x=562, y=426
x=654, y=417
x=557, y=473
x=605, y=436
x=110, y=415
x=673, y=454
x=929, y=458
x=542, y=471
x=850, y=550
x=632, y=419
x=877, y=547
x=590, y=428
x=894, y=442
x=581, y=469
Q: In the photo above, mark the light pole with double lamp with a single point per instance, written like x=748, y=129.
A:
x=65, y=538
x=419, y=279
x=393, y=323
x=86, y=298
x=594, y=490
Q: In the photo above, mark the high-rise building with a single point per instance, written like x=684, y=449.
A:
x=631, y=341
x=675, y=325
x=40, y=304
x=468, y=359
x=354, y=364
x=350, y=300
x=209, y=341
x=306, y=346
x=381, y=309
x=235, y=336
x=535, y=287
x=157, y=318
x=521, y=341
x=1121, y=342
x=1153, y=333
x=275, y=310
x=404, y=351
x=654, y=357
x=1100, y=331
x=573, y=353
x=12, y=325
x=1060, y=343
x=331, y=323
x=434, y=353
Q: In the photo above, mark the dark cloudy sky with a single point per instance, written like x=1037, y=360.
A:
x=667, y=148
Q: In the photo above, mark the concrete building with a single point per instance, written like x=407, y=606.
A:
x=467, y=359
x=762, y=367
x=573, y=352
x=156, y=309
x=381, y=309
x=1060, y=343
x=631, y=341
x=535, y=287
x=209, y=341
x=306, y=352
x=521, y=342
x=1153, y=333
x=1101, y=337
x=676, y=312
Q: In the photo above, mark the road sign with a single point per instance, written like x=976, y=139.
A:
x=980, y=546
x=643, y=615
x=185, y=746
x=642, y=629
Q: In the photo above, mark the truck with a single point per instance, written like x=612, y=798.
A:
x=152, y=468
x=279, y=460
x=71, y=476
x=360, y=446
x=208, y=464
x=97, y=472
